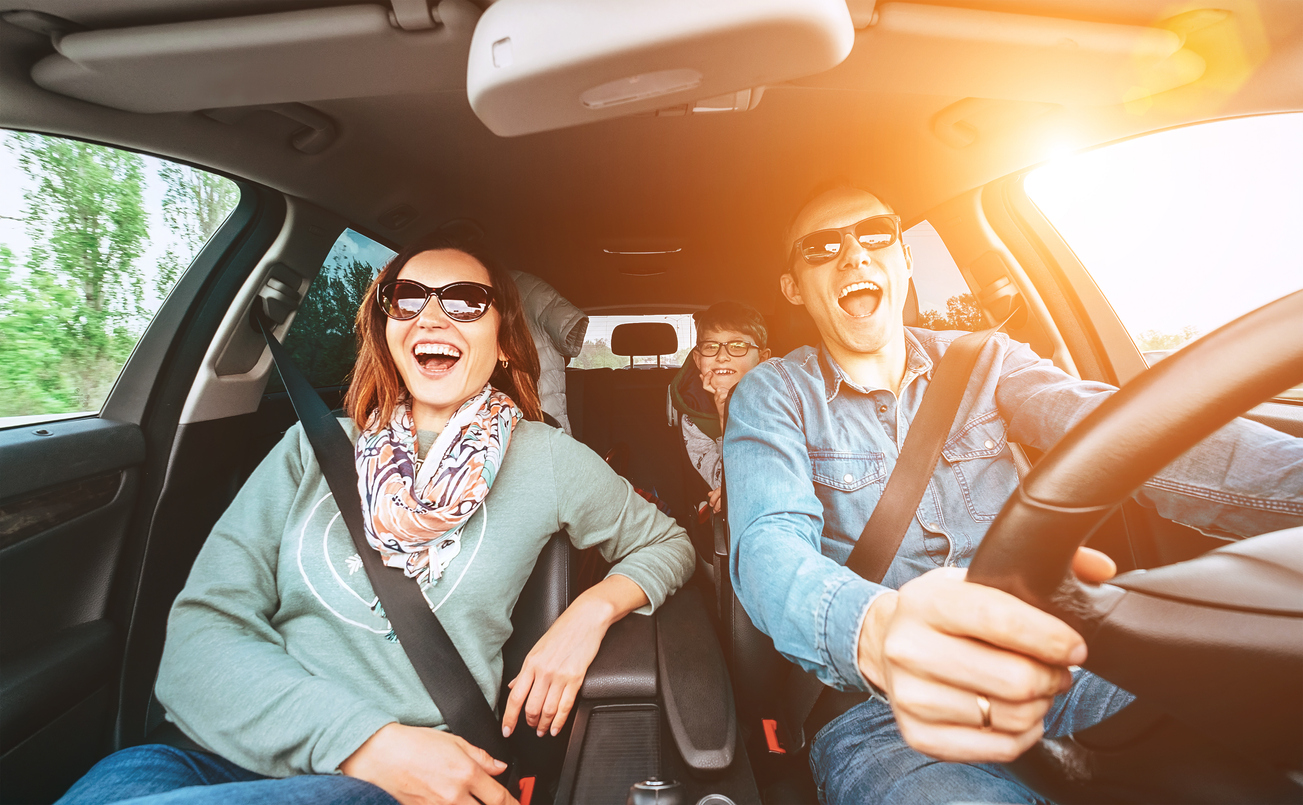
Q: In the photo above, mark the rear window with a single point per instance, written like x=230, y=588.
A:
x=597, y=353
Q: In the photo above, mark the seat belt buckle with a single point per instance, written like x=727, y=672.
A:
x=772, y=739
x=526, y=786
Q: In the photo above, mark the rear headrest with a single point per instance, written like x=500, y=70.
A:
x=644, y=338
x=910, y=314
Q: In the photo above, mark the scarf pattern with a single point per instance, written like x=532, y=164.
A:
x=414, y=517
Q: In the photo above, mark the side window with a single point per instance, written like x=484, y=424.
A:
x=321, y=339
x=92, y=240
x=945, y=301
x=1184, y=230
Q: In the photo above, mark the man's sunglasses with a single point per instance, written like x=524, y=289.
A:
x=738, y=349
x=462, y=301
x=875, y=232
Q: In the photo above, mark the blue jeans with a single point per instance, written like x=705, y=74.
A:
x=163, y=775
x=861, y=758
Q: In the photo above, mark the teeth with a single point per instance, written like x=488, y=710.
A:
x=858, y=286
x=437, y=349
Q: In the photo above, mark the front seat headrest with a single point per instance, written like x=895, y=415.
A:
x=644, y=338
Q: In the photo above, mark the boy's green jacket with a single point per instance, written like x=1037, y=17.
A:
x=691, y=400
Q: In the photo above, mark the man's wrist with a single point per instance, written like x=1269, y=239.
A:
x=869, y=654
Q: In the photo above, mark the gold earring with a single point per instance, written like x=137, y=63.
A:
x=504, y=363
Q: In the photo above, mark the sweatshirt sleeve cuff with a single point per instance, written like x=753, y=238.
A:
x=845, y=606
x=346, y=736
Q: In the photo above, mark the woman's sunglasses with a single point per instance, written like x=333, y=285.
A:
x=461, y=301
x=875, y=232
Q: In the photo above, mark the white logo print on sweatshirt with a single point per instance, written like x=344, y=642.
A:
x=332, y=570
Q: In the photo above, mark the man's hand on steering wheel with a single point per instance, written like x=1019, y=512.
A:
x=971, y=671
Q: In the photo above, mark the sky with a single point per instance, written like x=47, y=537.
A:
x=1188, y=227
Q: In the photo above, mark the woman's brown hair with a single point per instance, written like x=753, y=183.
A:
x=376, y=388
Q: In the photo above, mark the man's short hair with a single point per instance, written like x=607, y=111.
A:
x=734, y=316
x=825, y=186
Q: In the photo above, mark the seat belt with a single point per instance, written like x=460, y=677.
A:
x=431, y=651
x=885, y=531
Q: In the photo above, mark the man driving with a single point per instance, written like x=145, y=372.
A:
x=951, y=671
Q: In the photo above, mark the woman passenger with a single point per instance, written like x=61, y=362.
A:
x=279, y=661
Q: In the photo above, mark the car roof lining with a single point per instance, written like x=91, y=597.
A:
x=724, y=186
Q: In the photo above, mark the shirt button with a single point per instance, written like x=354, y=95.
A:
x=934, y=527
x=847, y=478
x=882, y=409
x=988, y=444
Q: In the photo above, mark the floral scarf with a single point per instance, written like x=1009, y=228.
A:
x=414, y=511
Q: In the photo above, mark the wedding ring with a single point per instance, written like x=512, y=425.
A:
x=984, y=704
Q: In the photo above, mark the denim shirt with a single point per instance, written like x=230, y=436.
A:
x=807, y=453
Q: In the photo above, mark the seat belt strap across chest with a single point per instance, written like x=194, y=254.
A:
x=439, y=665
x=887, y=526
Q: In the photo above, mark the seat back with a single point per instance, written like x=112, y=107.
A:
x=549, y=590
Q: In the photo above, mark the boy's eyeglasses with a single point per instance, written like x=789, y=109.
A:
x=873, y=233
x=462, y=301
x=738, y=349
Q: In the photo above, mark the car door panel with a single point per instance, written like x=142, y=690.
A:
x=58, y=659
x=77, y=499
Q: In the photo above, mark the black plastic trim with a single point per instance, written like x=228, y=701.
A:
x=694, y=683
x=625, y=665
x=73, y=448
x=41, y=684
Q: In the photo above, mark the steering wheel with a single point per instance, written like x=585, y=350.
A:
x=1213, y=647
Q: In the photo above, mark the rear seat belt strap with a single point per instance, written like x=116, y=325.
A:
x=883, y=534
x=432, y=653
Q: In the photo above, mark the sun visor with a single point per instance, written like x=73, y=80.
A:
x=296, y=56
x=963, y=52
x=537, y=65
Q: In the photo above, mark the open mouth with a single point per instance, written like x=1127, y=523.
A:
x=860, y=299
x=436, y=358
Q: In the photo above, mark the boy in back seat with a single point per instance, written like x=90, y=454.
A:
x=731, y=340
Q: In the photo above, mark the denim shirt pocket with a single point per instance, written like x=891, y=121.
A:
x=848, y=485
x=982, y=465
x=847, y=472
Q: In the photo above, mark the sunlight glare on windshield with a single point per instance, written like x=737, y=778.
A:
x=1184, y=230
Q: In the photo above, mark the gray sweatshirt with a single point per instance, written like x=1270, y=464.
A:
x=275, y=659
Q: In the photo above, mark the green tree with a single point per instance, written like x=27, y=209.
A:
x=321, y=340
x=962, y=313
x=598, y=355
x=194, y=206
x=77, y=312
x=1154, y=340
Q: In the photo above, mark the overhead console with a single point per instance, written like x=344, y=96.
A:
x=537, y=65
x=288, y=57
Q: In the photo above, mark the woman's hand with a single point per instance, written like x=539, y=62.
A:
x=424, y=766
x=939, y=642
x=715, y=498
x=551, y=675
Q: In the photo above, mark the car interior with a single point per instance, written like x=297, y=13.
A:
x=645, y=160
